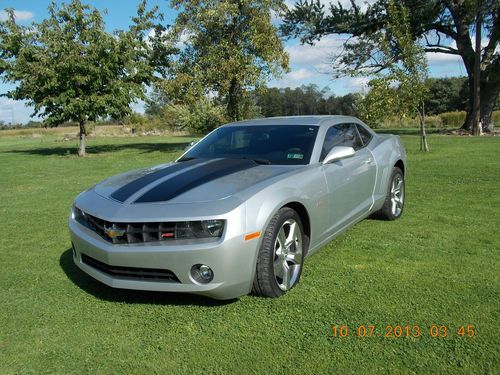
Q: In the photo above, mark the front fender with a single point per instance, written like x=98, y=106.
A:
x=307, y=188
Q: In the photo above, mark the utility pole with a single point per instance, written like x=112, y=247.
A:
x=476, y=119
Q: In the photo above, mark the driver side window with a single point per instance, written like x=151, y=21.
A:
x=341, y=135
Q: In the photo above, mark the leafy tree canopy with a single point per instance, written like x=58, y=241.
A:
x=229, y=48
x=70, y=69
x=402, y=90
x=436, y=22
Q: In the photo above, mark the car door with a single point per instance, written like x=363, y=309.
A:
x=350, y=181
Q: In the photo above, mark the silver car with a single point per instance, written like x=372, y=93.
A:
x=240, y=210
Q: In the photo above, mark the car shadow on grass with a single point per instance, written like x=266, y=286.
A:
x=106, y=293
x=145, y=147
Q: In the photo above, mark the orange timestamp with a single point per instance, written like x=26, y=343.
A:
x=398, y=331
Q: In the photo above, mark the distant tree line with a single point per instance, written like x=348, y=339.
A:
x=304, y=100
x=445, y=95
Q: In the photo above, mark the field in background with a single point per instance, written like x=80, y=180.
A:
x=437, y=265
x=137, y=125
x=68, y=133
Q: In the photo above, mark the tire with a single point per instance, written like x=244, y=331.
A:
x=395, y=198
x=281, y=255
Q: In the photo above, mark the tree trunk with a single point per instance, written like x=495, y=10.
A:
x=489, y=95
x=233, y=101
x=424, y=146
x=476, y=104
x=83, y=135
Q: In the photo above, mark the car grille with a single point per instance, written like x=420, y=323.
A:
x=150, y=274
x=126, y=233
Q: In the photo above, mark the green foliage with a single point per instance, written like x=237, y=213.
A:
x=496, y=117
x=200, y=117
x=446, y=95
x=452, y=119
x=403, y=89
x=70, y=69
x=433, y=23
x=230, y=47
x=304, y=100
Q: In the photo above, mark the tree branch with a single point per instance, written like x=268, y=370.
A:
x=441, y=49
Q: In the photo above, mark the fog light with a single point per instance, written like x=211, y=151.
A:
x=73, y=250
x=202, y=273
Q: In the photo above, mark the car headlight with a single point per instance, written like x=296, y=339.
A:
x=77, y=214
x=199, y=229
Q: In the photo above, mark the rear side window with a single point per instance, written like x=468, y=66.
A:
x=366, y=136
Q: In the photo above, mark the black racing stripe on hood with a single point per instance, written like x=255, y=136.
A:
x=193, y=178
x=126, y=191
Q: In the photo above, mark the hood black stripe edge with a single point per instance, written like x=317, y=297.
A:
x=126, y=191
x=193, y=178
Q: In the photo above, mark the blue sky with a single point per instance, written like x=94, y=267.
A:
x=309, y=64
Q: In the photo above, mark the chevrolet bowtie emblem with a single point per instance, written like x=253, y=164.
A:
x=113, y=232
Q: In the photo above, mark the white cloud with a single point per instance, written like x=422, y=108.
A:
x=319, y=55
x=438, y=58
x=435, y=58
x=295, y=78
x=299, y=75
x=20, y=15
x=356, y=84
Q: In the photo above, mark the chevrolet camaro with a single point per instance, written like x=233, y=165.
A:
x=240, y=210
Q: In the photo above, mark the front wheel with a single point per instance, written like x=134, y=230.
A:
x=281, y=255
x=395, y=198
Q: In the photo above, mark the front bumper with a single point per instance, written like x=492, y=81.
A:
x=231, y=258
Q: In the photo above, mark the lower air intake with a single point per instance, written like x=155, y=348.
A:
x=150, y=274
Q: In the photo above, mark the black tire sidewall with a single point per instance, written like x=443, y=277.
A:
x=387, y=205
x=265, y=263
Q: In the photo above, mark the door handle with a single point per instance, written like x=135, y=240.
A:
x=369, y=161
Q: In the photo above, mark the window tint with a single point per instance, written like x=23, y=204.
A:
x=278, y=144
x=341, y=135
x=366, y=136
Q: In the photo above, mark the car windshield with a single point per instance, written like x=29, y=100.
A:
x=266, y=144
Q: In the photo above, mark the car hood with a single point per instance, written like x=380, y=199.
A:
x=193, y=181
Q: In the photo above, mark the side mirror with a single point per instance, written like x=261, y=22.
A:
x=337, y=153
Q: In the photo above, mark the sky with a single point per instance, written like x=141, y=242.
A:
x=309, y=64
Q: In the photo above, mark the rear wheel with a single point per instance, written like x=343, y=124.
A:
x=395, y=199
x=281, y=255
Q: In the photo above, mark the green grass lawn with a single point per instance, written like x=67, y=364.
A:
x=437, y=265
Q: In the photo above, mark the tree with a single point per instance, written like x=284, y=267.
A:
x=70, y=69
x=304, y=100
x=435, y=21
x=446, y=95
x=157, y=100
x=403, y=89
x=231, y=47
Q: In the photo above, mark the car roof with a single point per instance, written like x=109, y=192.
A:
x=326, y=120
